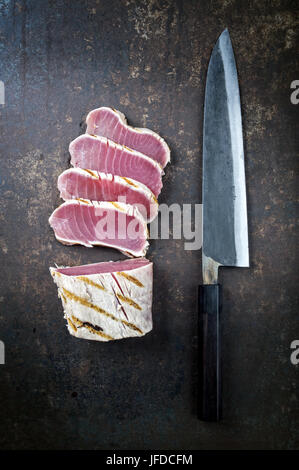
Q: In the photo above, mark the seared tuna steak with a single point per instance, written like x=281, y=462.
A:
x=77, y=183
x=107, y=301
x=113, y=224
x=101, y=154
x=108, y=122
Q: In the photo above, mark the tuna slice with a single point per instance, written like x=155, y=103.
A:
x=107, y=301
x=101, y=154
x=87, y=184
x=108, y=122
x=114, y=224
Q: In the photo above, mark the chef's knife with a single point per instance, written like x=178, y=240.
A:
x=225, y=234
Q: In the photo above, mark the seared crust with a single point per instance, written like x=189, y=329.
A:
x=107, y=306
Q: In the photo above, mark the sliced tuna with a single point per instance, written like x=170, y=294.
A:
x=88, y=184
x=107, y=301
x=101, y=154
x=112, y=224
x=108, y=122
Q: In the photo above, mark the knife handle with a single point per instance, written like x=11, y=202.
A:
x=209, y=400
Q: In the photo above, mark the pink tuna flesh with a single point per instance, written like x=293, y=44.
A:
x=109, y=123
x=77, y=183
x=101, y=154
x=88, y=224
x=105, y=267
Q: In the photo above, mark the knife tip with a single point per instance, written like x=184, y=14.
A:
x=224, y=38
x=225, y=32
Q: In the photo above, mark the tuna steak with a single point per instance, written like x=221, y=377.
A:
x=117, y=225
x=108, y=122
x=77, y=183
x=101, y=154
x=107, y=301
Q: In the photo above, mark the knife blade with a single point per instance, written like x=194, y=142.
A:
x=225, y=232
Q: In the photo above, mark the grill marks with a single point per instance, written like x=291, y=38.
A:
x=130, y=278
x=71, y=324
x=123, y=297
x=90, y=282
x=75, y=323
x=103, y=155
x=86, y=303
x=129, y=181
x=117, y=206
x=119, y=296
x=92, y=173
x=129, y=301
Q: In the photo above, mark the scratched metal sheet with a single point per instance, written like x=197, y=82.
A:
x=58, y=60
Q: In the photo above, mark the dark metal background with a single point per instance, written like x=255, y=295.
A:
x=60, y=59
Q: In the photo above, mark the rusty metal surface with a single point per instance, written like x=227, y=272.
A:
x=59, y=59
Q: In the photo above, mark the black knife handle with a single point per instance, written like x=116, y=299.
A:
x=209, y=400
